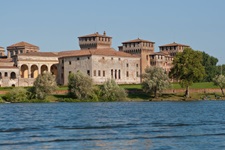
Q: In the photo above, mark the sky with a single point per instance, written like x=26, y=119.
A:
x=54, y=25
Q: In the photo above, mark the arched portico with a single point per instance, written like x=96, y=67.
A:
x=44, y=68
x=54, y=70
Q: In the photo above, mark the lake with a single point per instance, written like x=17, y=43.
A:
x=112, y=126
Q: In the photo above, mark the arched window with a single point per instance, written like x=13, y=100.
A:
x=13, y=75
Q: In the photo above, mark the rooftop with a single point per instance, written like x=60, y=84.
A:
x=137, y=41
x=22, y=44
x=40, y=54
x=104, y=52
x=175, y=44
x=95, y=35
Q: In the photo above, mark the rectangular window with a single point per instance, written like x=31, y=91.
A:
x=137, y=74
x=103, y=58
x=119, y=74
x=78, y=58
x=69, y=72
x=62, y=61
x=88, y=72
x=69, y=62
x=127, y=73
x=112, y=73
x=127, y=65
x=111, y=58
x=6, y=74
x=119, y=59
x=94, y=72
x=103, y=73
x=88, y=57
x=136, y=65
x=99, y=73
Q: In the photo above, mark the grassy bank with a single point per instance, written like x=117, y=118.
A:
x=135, y=93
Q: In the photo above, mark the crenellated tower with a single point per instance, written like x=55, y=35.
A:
x=95, y=41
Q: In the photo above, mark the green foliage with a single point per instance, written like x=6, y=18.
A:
x=17, y=94
x=80, y=86
x=209, y=63
x=111, y=91
x=219, y=80
x=155, y=80
x=44, y=85
x=187, y=68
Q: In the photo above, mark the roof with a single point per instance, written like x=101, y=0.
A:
x=105, y=52
x=137, y=40
x=40, y=54
x=160, y=53
x=22, y=44
x=95, y=35
x=175, y=44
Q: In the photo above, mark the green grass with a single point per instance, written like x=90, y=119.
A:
x=200, y=85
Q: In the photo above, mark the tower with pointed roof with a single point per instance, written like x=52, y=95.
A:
x=95, y=41
x=21, y=47
x=140, y=47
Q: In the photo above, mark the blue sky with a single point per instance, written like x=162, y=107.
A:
x=54, y=25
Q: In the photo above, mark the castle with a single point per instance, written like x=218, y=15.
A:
x=96, y=58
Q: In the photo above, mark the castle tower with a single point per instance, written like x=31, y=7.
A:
x=95, y=41
x=21, y=47
x=140, y=47
x=173, y=48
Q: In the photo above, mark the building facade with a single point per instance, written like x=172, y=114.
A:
x=96, y=58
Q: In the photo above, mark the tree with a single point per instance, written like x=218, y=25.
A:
x=111, y=91
x=155, y=80
x=80, y=86
x=44, y=85
x=209, y=62
x=219, y=80
x=187, y=68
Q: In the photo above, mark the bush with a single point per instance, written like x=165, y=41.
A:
x=17, y=94
x=80, y=86
x=44, y=85
x=110, y=91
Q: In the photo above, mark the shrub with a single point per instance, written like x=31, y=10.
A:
x=110, y=91
x=17, y=94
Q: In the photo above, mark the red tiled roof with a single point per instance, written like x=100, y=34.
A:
x=41, y=54
x=94, y=35
x=137, y=40
x=105, y=52
x=23, y=44
x=175, y=44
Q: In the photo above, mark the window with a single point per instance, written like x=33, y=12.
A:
x=112, y=73
x=127, y=65
x=88, y=57
x=115, y=74
x=6, y=74
x=62, y=75
x=78, y=58
x=119, y=74
x=137, y=74
x=99, y=73
x=88, y=72
x=94, y=72
x=62, y=68
x=69, y=72
x=69, y=62
x=127, y=73
x=103, y=57
x=146, y=57
x=119, y=59
x=111, y=58
x=136, y=65
x=21, y=51
x=62, y=61
x=103, y=73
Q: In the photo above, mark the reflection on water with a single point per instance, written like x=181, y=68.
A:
x=119, y=125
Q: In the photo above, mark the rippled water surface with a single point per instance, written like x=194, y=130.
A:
x=119, y=125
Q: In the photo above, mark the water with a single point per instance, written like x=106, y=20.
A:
x=119, y=125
